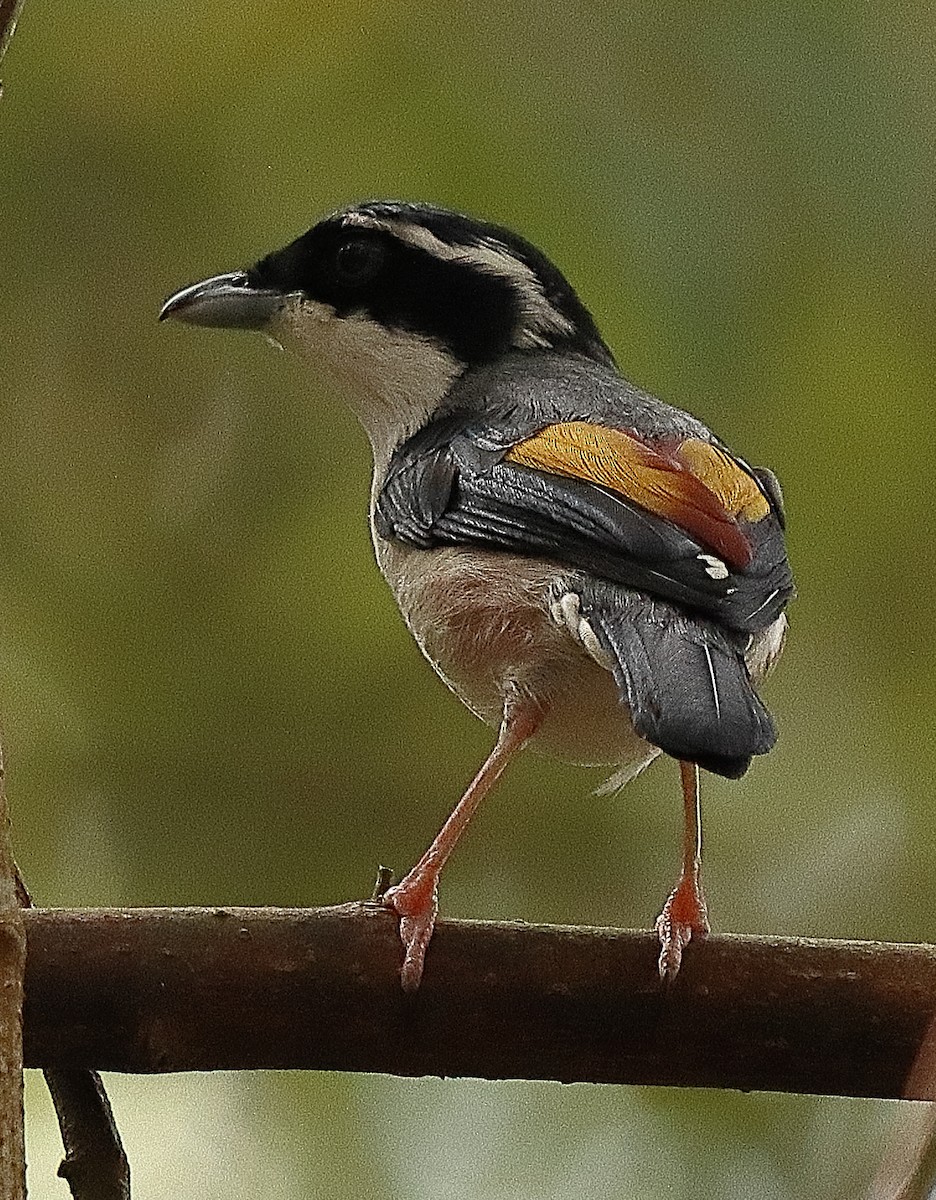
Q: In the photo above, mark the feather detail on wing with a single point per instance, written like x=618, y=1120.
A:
x=676, y=518
x=684, y=681
x=692, y=483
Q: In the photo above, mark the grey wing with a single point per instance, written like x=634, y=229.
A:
x=451, y=485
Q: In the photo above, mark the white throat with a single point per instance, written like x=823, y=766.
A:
x=393, y=380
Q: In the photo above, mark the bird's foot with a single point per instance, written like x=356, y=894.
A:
x=684, y=916
x=415, y=900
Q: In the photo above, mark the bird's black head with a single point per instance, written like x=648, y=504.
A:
x=476, y=288
x=394, y=302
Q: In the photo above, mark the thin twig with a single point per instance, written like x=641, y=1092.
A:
x=12, y=932
x=12, y=971
x=9, y=12
x=95, y=1166
x=207, y=989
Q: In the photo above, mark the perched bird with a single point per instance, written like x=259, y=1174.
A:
x=589, y=569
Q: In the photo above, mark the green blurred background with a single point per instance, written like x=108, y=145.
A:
x=206, y=692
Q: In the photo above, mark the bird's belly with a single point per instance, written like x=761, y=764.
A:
x=483, y=621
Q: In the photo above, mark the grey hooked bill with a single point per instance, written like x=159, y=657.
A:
x=225, y=302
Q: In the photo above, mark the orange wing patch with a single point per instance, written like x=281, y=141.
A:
x=736, y=490
x=693, y=484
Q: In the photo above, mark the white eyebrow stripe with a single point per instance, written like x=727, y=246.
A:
x=538, y=317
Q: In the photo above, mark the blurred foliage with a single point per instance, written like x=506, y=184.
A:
x=206, y=692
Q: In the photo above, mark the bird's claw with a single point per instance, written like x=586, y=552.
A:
x=684, y=916
x=416, y=902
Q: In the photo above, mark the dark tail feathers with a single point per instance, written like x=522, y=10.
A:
x=684, y=681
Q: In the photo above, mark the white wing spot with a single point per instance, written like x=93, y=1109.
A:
x=714, y=567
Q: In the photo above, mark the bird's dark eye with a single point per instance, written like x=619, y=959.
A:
x=357, y=261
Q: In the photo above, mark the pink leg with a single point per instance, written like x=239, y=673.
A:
x=684, y=913
x=415, y=899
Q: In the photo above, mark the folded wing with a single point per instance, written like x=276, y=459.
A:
x=680, y=520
